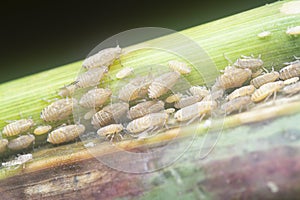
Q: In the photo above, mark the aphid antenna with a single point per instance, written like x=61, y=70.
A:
x=296, y=58
x=228, y=59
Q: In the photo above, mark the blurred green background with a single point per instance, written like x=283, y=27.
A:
x=36, y=36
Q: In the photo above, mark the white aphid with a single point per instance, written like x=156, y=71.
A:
x=127, y=71
x=179, y=67
x=294, y=31
x=17, y=127
x=90, y=78
x=264, y=34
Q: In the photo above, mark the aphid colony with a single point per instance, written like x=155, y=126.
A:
x=147, y=104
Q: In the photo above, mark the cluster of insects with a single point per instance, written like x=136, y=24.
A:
x=147, y=104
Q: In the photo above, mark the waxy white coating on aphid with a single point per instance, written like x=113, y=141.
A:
x=290, y=71
x=110, y=114
x=40, y=130
x=265, y=90
x=292, y=89
x=294, y=31
x=127, y=71
x=186, y=101
x=249, y=62
x=90, y=78
x=243, y=91
x=265, y=78
x=145, y=108
x=65, y=134
x=104, y=57
x=291, y=81
x=67, y=90
x=95, y=97
x=162, y=84
x=179, y=67
x=173, y=98
x=235, y=104
x=58, y=110
x=17, y=127
x=149, y=121
x=264, y=34
x=110, y=130
x=195, y=110
x=201, y=91
x=3, y=145
x=22, y=142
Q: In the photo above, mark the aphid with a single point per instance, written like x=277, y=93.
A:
x=65, y=134
x=40, y=130
x=294, y=31
x=162, y=84
x=235, y=77
x=3, y=145
x=169, y=110
x=179, y=67
x=145, y=108
x=95, y=97
x=264, y=34
x=22, y=142
x=21, y=159
x=290, y=71
x=249, y=62
x=200, y=91
x=292, y=89
x=104, y=57
x=291, y=81
x=266, y=91
x=174, y=98
x=136, y=88
x=199, y=109
x=110, y=114
x=265, y=78
x=17, y=127
x=236, y=104
x=58, y=110
x=186, y=101
x=147, y=123
x=90, y=78
x=67, y=90
x=110, y=131
x=127, y=71
x=243, y=91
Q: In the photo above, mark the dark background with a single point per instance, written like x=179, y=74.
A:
x=36, y=36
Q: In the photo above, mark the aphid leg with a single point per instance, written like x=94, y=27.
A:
x=296, y=58
x=201, y=117
x=266, y=70
x=228, y=59
x=274, y=96
x=266, y=99
x=191, y=120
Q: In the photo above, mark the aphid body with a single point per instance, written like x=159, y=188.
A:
x=145, y=108
x=90, y=78
x=243, y=91
x=294, y=31
x=292, y=89
x=249, y=62
x=3, y=145
x=67, y=90
x=65, y=134
x=173, y=98
x=290, y=71
x=58, y=110
x=264, y=34
x=265, y=78
x=162, y=84
x=95, y=98
x=104, y=57
x=110, y=130
x=110, y=114
x=17, y=127
x=40, y=130
x=201, y=91
x=186, y=101
x=179, y=67
x=21, y=142
x=236, y=104
x=266, y=90
x=127, y=71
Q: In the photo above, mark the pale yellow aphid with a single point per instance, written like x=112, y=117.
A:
x=292, y=89
x=186, y=101
x=40, y=130
x=169, y=110
x=243, y=91
x=22, y=142
x=110, y=131
x=266, y=90
x=294, y=31
x=290, y=71
x=196, y=110
x=236, y=104
x=3, y=145
x=104, y=57
x=174, y=98
x=291, y=81
x=95, y=97
x=145, y=108
x=163, y=84
x=58, y=110
x=201, y=91
x=249, y=62
x=110, y=114
x=264, y=34
x=67, y=90
x=90, y=78
x=136, y=88
x=179, y=67
x=17, y=127
x=147, y=122
x=65, y=134
x=125, y=72
x=265, y=78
